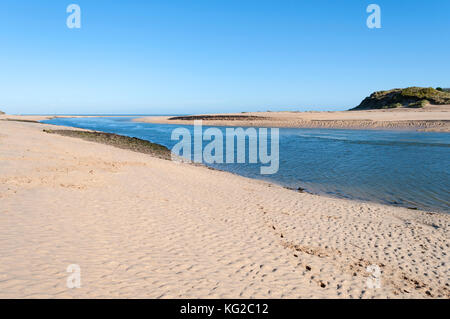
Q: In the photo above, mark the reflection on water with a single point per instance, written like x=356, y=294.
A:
x=404, y=168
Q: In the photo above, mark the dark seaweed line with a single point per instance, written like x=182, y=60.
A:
x=19, y=120
x=216, y=117
x=119, y=141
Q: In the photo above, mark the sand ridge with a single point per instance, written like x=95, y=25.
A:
x=142, y=227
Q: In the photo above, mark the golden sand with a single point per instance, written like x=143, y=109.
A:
x=142, y=227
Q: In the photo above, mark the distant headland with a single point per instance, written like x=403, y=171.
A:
x=411, y=97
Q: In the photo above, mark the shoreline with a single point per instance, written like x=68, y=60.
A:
x=76, y=129
x=428, y=119
x=123, y=142
x=300, y=189
x=144, y=227
x=321, y=194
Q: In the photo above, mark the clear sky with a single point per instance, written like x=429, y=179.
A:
x=190, y=56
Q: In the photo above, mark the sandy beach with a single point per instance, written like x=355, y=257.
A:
x=144, y=227
x=429, y=118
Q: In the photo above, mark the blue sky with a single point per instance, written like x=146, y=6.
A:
x=189, y=56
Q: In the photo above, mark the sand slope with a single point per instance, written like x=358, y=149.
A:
x=147, y=228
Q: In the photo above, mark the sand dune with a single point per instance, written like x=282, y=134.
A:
x=143, y=227
x=430, y=118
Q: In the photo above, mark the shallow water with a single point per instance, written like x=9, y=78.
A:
x=405, y=168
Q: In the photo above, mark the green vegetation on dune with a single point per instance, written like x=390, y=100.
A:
x=411, y=97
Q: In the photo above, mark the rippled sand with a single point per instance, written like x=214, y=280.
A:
x=144, y=227
x=430, y=118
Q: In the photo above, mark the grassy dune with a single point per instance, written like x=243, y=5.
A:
x=412, y=97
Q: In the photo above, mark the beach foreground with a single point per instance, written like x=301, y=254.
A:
x=430, y=118
x=144, y=227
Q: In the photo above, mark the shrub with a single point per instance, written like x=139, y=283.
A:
x=419, y=104
x=392, y=106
